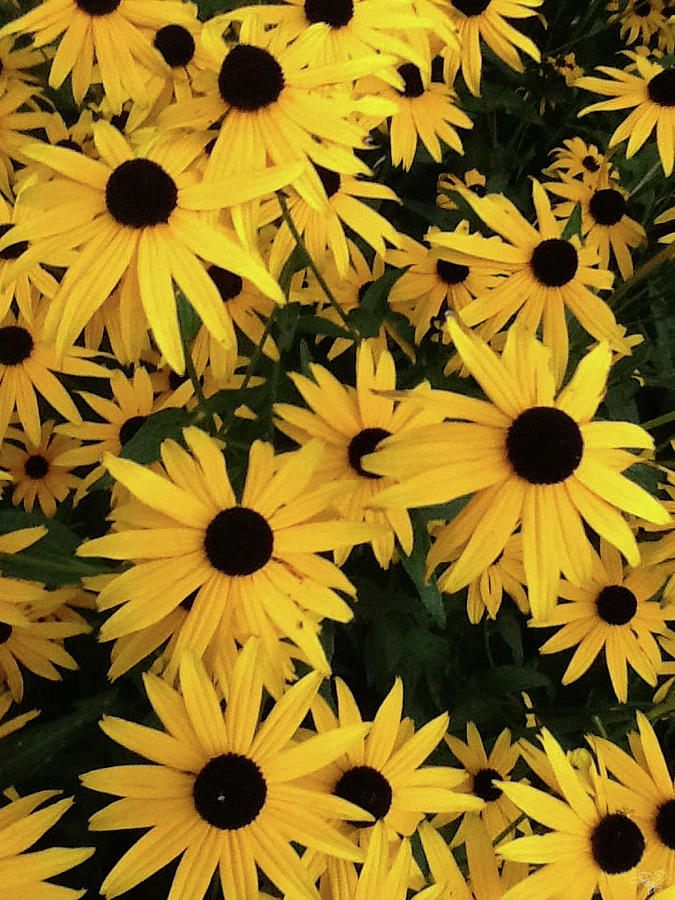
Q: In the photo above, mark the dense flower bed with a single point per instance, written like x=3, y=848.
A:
x=336, y=401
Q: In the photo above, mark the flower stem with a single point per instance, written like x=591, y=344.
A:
x=662, y=256
x=297, y=237
x=648, y=176
x=660, y=420
x=510, y=827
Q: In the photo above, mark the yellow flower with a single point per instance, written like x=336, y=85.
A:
x=34, y=469
x=351, y=422
x=141, y=213
x=255, y=564
x=20, y=827
x=614, y=611
x=546, y=273
x=224, y=792
x=532, y=458
x=106, y=31
x=652, y=92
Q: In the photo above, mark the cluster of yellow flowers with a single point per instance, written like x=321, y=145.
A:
x=212, y=173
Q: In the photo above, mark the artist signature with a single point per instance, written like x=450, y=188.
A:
x=650, y=880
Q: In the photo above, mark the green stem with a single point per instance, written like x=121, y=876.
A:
x=659, y=420
x=248, y=374
x=510, y=827
x=667, y=708
x=643, y=181
x=194, y=378
x=644, y=270
x=297, y=237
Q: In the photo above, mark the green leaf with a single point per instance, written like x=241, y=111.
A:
x=414, y=565
x=317, y=325
x=189, y=320
x=52, y=559
x=286, y=321
x=509, y=628
x=144, y=446
x=512, y=679
x=367, y=318
x=573, y=225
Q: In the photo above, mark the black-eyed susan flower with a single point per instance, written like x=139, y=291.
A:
x=383, y=773
x=224, y=793
x=615, y=611
x=29, y=363
x=105, y=32
x=141, y=213
x=566, y=65
x=639, y=19
x=651, y=90
x=26, y=286
x=33, y=633
x=9, y=726
x=578, y=159
x=253, y=563
x=426, y=111
x=482, y=771
x=505, y=576
x=605, y=226
x=34, y=470
x=26, y=873
x=14, y=119
x=380, y=876
x=648, y=790
x=435, y=283
x=351, y=422
x=487, y=20
x=325, y=230
x=488, y=877
x=334, y=31
x=14, y=61
x=275, y=107
x=448, y=183
x=532, y=458
x=120, y=417
x=546, y=274
x=590, y=836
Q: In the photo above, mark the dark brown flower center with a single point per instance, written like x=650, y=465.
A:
x=483, y=786
x=250, y=78
x=590, y=164
x=229, y=284
x=336, y=13
x=367, y=788
x=617, y=844
x=16, y=345
x=230, y=792
x=98, y=7
x=238, y=541
x=361, y=445
x=665, y=823
x=554, y=262
x=139, y=194
x=661, y=88
x=36, y=467
x=544, y=445
x=471, y=7
x=451, y=273
x=607, y=206
x=412, y=80
x=176, y=45
x=616, y=605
